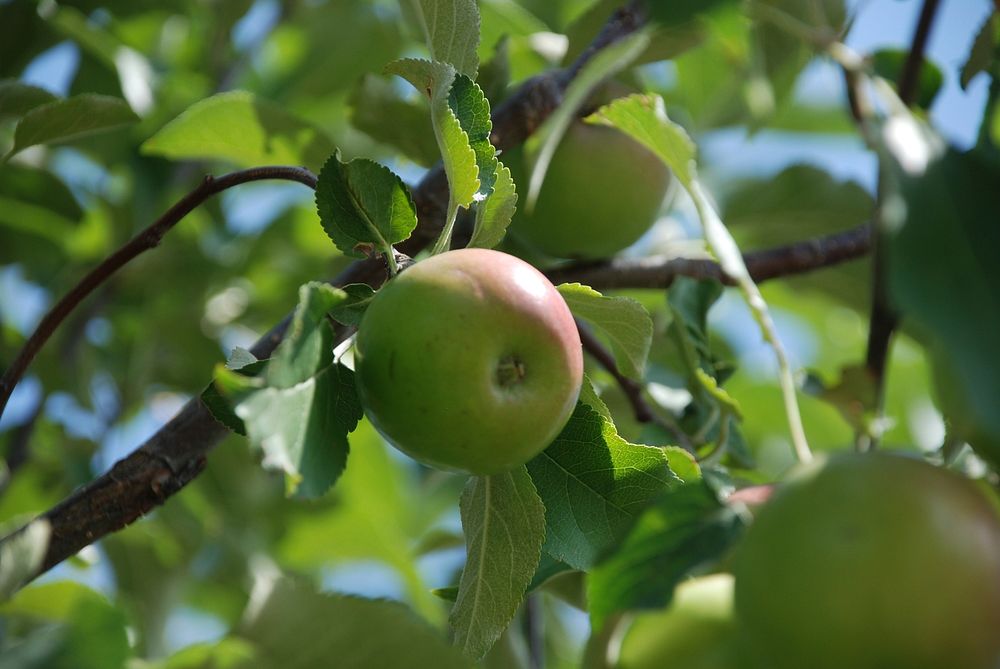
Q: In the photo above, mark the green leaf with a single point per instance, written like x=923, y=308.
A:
x=945, y=281
x=350, y=311
x=687, y=529
x=308, y=344
x=451, y=30
x=504, y=523
x=303, y=430
x=16, y=98
x=73, y=628
x=231, y=383
x=781, y=52
x=594, y=484
x=605, y=64
x=889, y=63
x=495, y=213
x=21, y=555
x=298, y=628
x=240, y=128
x=363, y=206
x=379, y=111
x=451, y=116
x=69, y=119
x=624, y=321
x=983, y=51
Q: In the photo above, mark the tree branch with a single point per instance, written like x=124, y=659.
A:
x=884, y=319
x=145, y=240
x=660, y=272
x=176, y=454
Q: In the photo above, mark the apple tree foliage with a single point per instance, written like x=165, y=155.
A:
x=307, y=541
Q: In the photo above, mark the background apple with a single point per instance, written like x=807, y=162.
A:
x=873, y=561
x=602, y=191
x=697, y=630
x=469, y=360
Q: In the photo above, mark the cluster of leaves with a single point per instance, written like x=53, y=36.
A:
x=635, y=518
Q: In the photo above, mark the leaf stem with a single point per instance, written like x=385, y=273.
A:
x=145, y=240
x=443, y=242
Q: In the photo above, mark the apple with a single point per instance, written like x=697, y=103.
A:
x=469, y=360
x=601, y=192
x=697, y=630
x=873, y=561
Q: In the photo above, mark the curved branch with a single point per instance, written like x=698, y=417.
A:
x=176, y=454
x=145, y=240
x=660, y=272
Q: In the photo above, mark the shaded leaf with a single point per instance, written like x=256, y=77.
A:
x=686, y=529
x=307, y=346
x=624, y=321
x=298, y=628
x=240, y=128
x=983, y=51
x=350, y=310
x=69, y=119
x=494, y=215
x=379, y=111
x=594, y=484
x=303, y=429
x=16, y=98
x=889, y=63
x=504, y=523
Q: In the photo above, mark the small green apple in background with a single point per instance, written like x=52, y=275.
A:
x=469, y=360
x=697, y=631
x=873, y=561
x=601, y=192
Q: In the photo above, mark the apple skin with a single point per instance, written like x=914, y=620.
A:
x=602, y=191
x=697, y=631
x=469, y=360
x=873, y=561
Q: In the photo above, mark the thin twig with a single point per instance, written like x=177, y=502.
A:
x=632, y=389
x=884, y=319
x=143, y=241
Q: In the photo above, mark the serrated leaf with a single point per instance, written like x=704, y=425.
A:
x=243, y=129
x=302, y=430
x=495, y=213
x=606, y=63
x=379, y=111
x=460, y=157
x=69, y=119
x=624, y=321
x=298, y=628
x=504, y=523
x=983, y=51
x=350, y=311
x=308, y=344
x=944, y=280
x=16, y=98
x=589, y=396
x=21, y=555
x=594, y=484
x=363, y=206
x=686, y=529
x=451, y=30
x=240, y=358
x=227, y=388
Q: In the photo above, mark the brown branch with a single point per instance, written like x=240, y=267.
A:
x=884, y=318
x=660, y=272
x=147, y=239
x=176, y=454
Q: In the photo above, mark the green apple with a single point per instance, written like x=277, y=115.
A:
x=601, y=192
x=697, y=631
x=469, y=360
x=873, y=561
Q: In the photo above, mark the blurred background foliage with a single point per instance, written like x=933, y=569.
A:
x=286, y=81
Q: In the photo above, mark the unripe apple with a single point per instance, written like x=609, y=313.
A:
x=469, y=360
x=601, y=192
x=873, y=561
